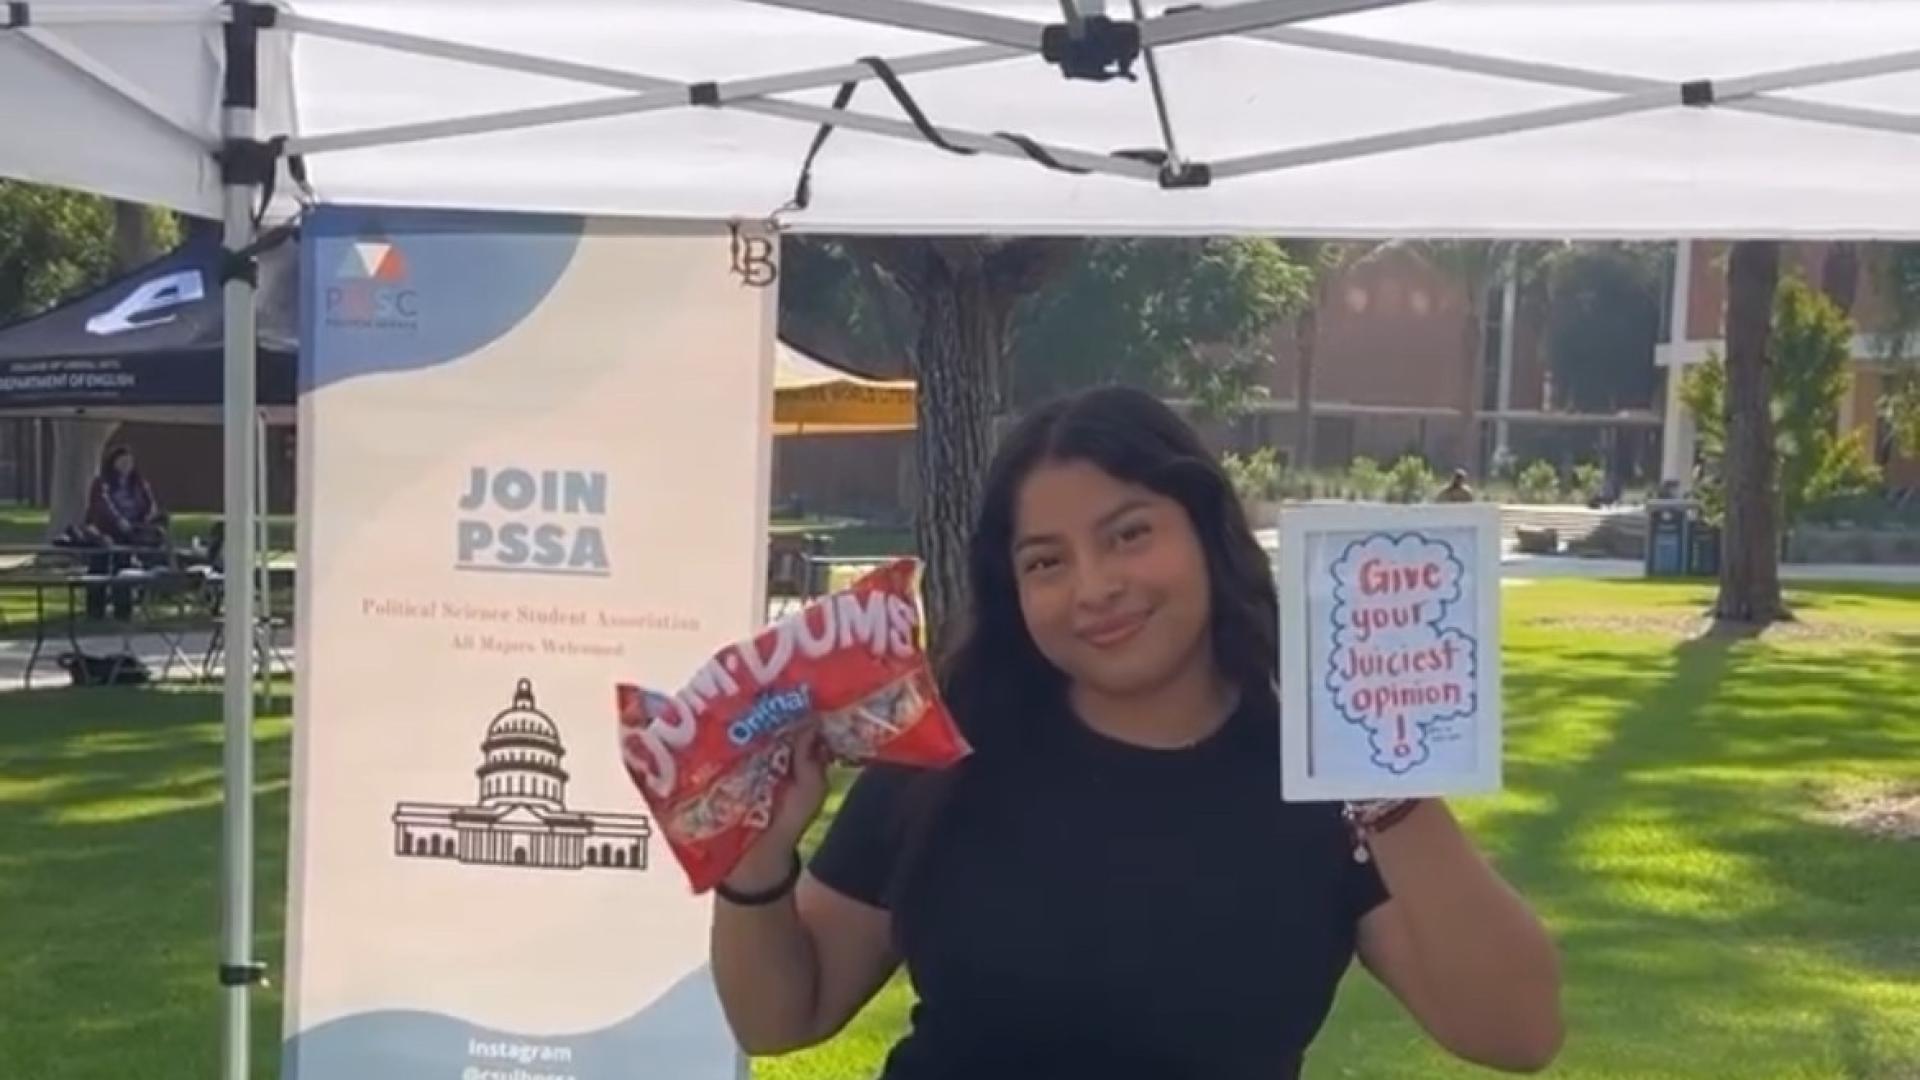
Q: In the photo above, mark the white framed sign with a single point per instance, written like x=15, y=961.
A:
x=1389, y=651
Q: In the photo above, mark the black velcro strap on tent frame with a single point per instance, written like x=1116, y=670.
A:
x=244, y=264
x=248, y=974
x=704, y=94
x=260, y=16
x=248, y=161
x=1188, y=174
x=803, y=190
x=19, y=15
x=891, y=81
x=1039, y=153
x=253, y=163
x=884, y=71
x=1697, y=94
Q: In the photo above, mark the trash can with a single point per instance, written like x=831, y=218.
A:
x=1669, y=521
x=1703, y=549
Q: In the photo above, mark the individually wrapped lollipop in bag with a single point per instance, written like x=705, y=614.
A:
x=713, y=760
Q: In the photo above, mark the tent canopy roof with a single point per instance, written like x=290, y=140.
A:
x=1437, y=117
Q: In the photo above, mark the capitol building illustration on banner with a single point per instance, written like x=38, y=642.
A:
x=522, y=817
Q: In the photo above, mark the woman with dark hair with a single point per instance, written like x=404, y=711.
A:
x=1111, y=885
x=120, y=504
x=121, y=509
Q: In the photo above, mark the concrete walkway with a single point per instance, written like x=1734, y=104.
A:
x=1517, y=566
x=1514, y=565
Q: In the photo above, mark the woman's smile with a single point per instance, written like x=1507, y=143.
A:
x=1114, y=630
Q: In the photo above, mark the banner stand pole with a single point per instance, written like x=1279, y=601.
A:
x=246, y=166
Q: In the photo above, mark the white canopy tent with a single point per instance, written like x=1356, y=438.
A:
x=1462, y=117
x=1566, y=118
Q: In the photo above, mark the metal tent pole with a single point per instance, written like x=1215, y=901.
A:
x=262, y=640
x=241, y=163
x=1677, y=431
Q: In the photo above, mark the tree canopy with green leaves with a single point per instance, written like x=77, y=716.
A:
x=1189, y=318
x=1604, y=323
x=1810, y=349
x=53, y=243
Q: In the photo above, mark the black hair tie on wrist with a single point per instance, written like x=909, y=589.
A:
x=762, y=898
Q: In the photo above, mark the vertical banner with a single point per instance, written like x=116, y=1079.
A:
x=534, y=464
x=1389, y=651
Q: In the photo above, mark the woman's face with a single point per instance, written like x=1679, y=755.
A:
x=1112, y=578
x=123, y=464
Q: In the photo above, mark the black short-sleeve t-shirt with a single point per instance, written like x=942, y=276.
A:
x=1090, y=907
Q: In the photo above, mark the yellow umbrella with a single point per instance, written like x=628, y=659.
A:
x=812, y=397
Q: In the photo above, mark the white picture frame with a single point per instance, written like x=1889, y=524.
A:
x=1371, y=635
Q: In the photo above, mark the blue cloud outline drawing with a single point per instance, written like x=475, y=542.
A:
x=1340, y=567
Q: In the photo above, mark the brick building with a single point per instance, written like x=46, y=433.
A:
x=1871, y=372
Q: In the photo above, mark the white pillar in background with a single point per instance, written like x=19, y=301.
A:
x=1503, y=400
x=1677, y=431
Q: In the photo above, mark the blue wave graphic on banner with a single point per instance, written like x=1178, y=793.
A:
x=663, y=1040
x=398, y=290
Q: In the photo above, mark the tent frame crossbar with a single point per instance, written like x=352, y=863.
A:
x=19, y=15
x=655, y=94
x=1007, y=38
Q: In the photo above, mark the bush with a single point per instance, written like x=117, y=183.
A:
x=1366, y=479
x=1539, y=483
x=1254, y=476
x=1810, y=350
x=1589, y=481
x=1409, y=481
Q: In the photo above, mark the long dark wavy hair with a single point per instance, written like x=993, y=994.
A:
x=111, y=458
x=994, y=678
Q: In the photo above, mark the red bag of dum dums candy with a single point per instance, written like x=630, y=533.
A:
x=713, y=760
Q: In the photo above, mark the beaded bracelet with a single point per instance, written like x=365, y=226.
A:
x=1366, y=820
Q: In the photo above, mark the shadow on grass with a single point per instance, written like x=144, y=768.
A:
x=1695, y=896
x=110, y=806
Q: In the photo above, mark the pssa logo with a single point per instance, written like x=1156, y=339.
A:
x=533, y=521
x=370, y=288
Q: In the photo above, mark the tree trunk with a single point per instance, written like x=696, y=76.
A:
x=77, y=444
x=1750, y=561
x=1306, y=340
x=956, y=358
x=1840, y=274
x=963, y=293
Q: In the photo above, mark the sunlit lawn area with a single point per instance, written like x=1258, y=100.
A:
x=1664, y=809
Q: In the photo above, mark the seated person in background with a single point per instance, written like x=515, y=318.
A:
x=122, y=508
x=1457, y=489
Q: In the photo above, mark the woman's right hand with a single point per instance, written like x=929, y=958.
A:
x=769, y=860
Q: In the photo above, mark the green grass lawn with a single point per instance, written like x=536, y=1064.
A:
x=1663, y=811
x=28, y=525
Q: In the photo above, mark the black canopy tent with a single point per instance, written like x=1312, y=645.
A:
x=146, y=346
